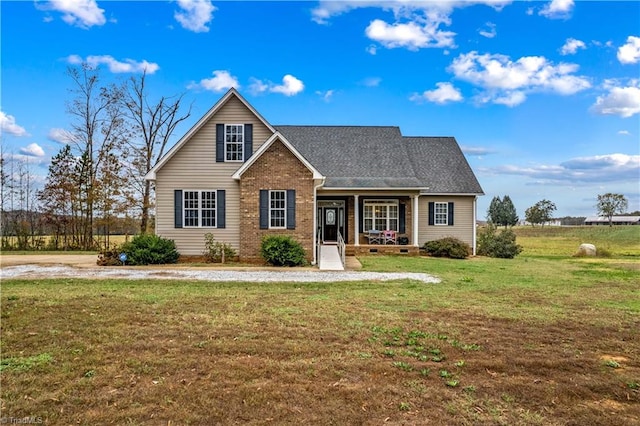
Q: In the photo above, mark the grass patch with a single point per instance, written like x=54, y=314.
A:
x=524, y=341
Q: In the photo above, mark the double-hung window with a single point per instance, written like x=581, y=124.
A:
x=234, y=142
x=380, y=215
x=441, y=213
x=277, y=209
x=199, y=209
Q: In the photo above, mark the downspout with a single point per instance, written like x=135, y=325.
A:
x=475, y=223
x=315, y=220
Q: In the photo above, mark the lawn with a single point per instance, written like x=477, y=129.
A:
x=543, y=339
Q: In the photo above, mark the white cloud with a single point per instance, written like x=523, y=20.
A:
x=571, y=46
x=444, y=93
x=80, y=13
x=326, y=96
x=411, y=35
x=624, y=132
x=557, y=9
x=622, y=101
x=222, y=80
x=507, y=82
x=629, y=53
x=115, y=66
x=416, y=25
x=61, y=136
x=8, y=125
x=489, y=31
x=372, y=49
x=32, y=150
x=581, y=170
x=195, y=15
x=290, y=86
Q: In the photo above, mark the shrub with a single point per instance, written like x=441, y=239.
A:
x=147, y=249
x=448, y=247
x=498, y=244
x=282, y=250
x=216, y=251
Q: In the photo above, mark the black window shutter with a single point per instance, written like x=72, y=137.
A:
x=219, y=143
x=360, y=216
x=221, y=208
x=291, y=209
x=248, y=141
x=402, y=226
x=177, y=208
x=432, y=207
x=264, y=209
x=450, y=212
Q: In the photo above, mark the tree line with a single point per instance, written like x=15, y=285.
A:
x=502, y=212
x=117, y=133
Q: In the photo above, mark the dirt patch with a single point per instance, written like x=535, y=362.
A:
x=75, y=260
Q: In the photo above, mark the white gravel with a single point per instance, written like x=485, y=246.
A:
x=41, y=271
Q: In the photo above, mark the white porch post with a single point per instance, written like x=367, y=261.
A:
x=414, y=215
x=356, y=221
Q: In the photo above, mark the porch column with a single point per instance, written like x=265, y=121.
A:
x=414, y=215
x=356, y=221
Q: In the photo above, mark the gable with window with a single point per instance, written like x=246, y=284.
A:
x=234, y=142
x=440, y=213
x=277, y=209
x=199, y=208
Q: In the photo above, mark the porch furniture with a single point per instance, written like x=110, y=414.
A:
x=389, y=237
x=374, y=237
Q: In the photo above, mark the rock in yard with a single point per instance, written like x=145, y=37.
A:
x=586, y=250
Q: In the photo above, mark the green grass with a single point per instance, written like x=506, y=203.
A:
x=544, y=338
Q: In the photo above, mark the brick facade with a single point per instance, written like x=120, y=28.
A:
x=278, y=169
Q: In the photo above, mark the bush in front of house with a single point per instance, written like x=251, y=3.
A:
x=498, y=244
x=217, y=251
x=148, y=249
x=448, y=247
x=282, y=250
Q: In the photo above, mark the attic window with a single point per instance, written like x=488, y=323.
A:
x=234, y=142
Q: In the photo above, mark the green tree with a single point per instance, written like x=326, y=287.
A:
x=540, y=212
x=610, y=204
x=502, y=212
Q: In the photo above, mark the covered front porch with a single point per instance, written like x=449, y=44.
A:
x=352, y=219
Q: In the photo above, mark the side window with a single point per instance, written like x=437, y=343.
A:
x=441, y=213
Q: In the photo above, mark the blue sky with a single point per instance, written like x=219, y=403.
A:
x=543, y=97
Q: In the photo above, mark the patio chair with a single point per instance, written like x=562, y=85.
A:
x=374, y=237
x=389, y=237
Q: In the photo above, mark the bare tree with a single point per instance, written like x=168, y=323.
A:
x=97, y=129
x=152, y=126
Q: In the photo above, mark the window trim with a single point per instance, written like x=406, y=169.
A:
x=380, y=202
x=283, y=208
x=227, y=144
x=200, y=208
x=437, y=214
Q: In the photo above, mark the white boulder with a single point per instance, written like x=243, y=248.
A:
x=586, y=250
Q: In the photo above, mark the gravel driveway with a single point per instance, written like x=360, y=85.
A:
x=72, y=266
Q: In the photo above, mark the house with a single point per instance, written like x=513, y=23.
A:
x=236, y=175
x=615, y=220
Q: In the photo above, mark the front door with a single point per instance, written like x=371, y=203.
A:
x=330, y=231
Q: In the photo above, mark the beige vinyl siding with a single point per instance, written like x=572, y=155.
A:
x=194, y=167
x=463, y=219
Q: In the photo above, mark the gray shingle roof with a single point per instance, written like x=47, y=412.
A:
x=380, y=157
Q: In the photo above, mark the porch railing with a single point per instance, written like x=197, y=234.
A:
x=318, y=246
x=341, y=248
